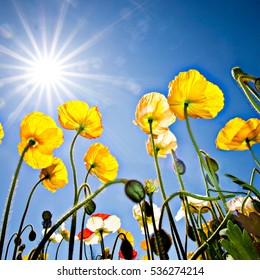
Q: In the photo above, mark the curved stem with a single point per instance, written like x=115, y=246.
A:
x=70, y=213
x=58, y=248
x=10, y=197
x=241, y=80
x=211, y=177
x=175, y=233
x=201, y=249
x=25, y=212
x=74, y=216
x=252, y=152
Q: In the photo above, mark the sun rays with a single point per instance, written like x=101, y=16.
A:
x=47, y=68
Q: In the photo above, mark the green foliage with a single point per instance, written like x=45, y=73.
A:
x=244, y=185
x=239, y=244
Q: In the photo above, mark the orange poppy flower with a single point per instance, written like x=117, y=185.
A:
x=237, y=132
x=76, y=115
x=154, y=107
x=56, y=175
x=203, y=98
x=164, y=143
x=101, y=163
x=46, y=136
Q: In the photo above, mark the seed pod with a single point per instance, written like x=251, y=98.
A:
x=18, y=242
x=190, y=232
x=134, y=191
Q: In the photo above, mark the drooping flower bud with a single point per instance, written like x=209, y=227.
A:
x=179, y=166
x=32, y=235
x=134, y=191
x=212, y=164
x=257, y=84
x=126, y=249
x=90, y=207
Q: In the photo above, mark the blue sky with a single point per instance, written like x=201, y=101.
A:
x=116, y=51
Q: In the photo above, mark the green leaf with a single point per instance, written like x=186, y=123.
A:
x=244, y=185
x=239, y=244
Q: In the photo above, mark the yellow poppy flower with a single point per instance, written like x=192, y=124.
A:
x=154, y=107
x=164, y=143
x=76, y=115
x=1, y=133
x=203, y=98
x=101, y=163
x=46, y=136
x=236, y=132
x=56, y=175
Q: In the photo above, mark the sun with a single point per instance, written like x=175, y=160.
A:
x=46, y=72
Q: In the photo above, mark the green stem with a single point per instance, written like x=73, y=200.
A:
x=242, y=82
x=181, y=193
x=185, y=200
x=58, y=248
x=74, y=216
x=161, y=255
x=70, y=213
x=252, y=152
x=25, y=212
x=175, y=233
x=211, y=177
x=201, y=249
x=10, y=197
x=146, y=232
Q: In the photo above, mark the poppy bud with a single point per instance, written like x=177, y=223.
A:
x=18, y=241
x=165, y=243
x=134, y=191
x=257, y=84
x=32, y=235
x=46, y=215
x=21, y=248
x=212, y=164
x=236, y=72
x=126, y=249
x=147, y=208
x=180, y=166
x=190, y=232
x=90, y=207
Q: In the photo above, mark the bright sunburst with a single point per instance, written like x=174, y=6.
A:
x=50, y=69
x=46, y=72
